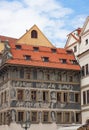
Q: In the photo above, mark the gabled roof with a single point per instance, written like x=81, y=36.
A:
x=85, y=26
x=73, y=37
x=54, y=58
x=41, y=40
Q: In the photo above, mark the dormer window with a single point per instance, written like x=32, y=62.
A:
x=27, y=57
x=53, y=50
x=69, y=51
x=36, y=48
x=45, y=59
x=33, y=34
x=86, y=41
x=63, y=61
x=18, y=47
x=74, y=62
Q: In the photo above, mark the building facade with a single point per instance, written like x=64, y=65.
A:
x=38, y=82
x=83, y=59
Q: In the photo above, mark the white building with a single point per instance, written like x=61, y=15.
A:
x=80, y=48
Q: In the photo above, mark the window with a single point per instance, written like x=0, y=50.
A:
x=45, y=117
x=36, y=48
x=86, y=69
x=67, y=117
x=84, y=97
x=58, y=96
x=27, y=57
x=18, y=47
x=75, y=48
x=86, y=41
x=33, y=116
x=4, y=96
x=59, y=117
x=33, y=95
x=77, y=117
x=83, y=73
x=69, y=51
x=20, y=95
x=21, y=73
x=74, y=62
x=70, y=78
x=1, y=98
x=77, y=97
x=27, y=75
x=20, y=116
x=45, y=59
x=53, y=50
x=88, y=96
x=65, y=97
x=33, y=34
x=45, y=96
x=48, y=76
x=63, y=61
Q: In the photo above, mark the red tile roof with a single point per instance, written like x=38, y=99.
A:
x=5, y=38
x=36, y=57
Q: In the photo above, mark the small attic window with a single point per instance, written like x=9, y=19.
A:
x=18, y=47
x=63, y=61
x=74, y=62
x=33, y=34
x=45, y=59
x=36, y=48
x=69, y=51
x=53, y=50
x=27, y=57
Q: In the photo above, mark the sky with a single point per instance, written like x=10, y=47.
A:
x=55, y=18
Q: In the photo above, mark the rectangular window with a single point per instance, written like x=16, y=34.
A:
x=77, y=97
x=59, y=117
x=53, y=50
x=83, y=73
x=36, y=48
x=45, y=59
x=27, y=75
x=33, y=95
x=77, y=117
x=33, y=116
x=87, y=96
x=67, y=117
x=75, y=48
x=58, y=96
x=45, y=96
x=65, y=97
x=27, y=57
x=18, y=47
x=21, y=73
x=1, y=98
x=86, y=41
x=20, y=95
x=86, y=69
x=45, y=117
x=84, y=97
x=70, y=78
x=20, y=116
x=63, y=61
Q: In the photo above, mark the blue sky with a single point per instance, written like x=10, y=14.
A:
x=55, y=18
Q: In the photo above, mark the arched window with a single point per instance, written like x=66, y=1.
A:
x=33, y=34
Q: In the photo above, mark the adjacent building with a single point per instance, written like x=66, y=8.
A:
x=82, y=54
x=38, y=82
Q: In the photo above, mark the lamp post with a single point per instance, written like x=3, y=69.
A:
x=25, y=125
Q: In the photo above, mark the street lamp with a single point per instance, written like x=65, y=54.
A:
x=25, y=125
